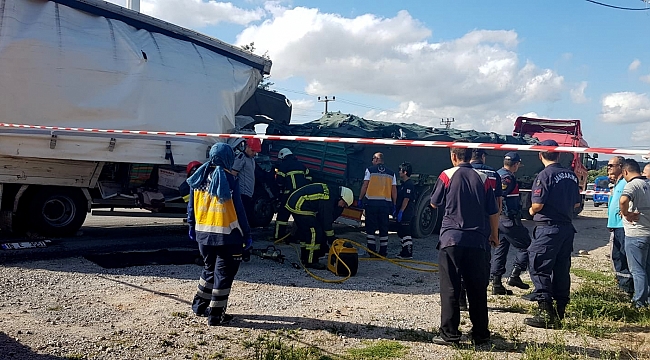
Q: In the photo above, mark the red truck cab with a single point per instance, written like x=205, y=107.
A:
x=566, y=133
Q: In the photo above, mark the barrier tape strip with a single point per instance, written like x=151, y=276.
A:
x=366, y=141
x=593, y=192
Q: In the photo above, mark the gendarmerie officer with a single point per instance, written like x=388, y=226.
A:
x=555, y=193
x=290, y=175
x=511, y=230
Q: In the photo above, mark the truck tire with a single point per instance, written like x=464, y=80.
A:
x=56, y=211
x=425, y=220
x=263, y=207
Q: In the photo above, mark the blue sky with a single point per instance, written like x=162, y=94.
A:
x=481, y=62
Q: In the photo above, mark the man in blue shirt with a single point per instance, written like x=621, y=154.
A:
x=467, y=199
x=615, y=226
x=555, y=193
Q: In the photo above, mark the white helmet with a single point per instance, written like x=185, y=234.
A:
x=284, y=153
x=347, y=195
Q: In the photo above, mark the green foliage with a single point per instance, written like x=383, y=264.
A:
x=593, y=174
x=382, y=349
x=265, y=84
x=276, y=349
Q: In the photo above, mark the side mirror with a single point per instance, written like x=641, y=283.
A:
x=595, y=155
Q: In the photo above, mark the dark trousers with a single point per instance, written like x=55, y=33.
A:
x=282, y=219
x=549, y=255
x=511, y=235
x=249, y=207
x=377, y=220
x=311, y=237
x=619, y=261
x=221, y=264
x=454, y=263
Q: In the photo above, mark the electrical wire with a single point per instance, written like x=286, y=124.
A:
x=618, y=7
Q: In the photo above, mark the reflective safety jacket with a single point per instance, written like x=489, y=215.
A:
x=217, y=223
x=291, y=175
x=317, y=200
x=380, y=185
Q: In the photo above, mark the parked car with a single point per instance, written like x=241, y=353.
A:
x=588, y=197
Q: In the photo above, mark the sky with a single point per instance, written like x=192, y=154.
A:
x=482, y=63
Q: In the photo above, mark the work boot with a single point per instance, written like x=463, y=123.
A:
x=372, y=248
x=515, y=280
x=545, y=318
x=406, y=253
x=497, y=286
x=383, y=251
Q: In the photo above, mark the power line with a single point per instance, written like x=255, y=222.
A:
x=618, y=7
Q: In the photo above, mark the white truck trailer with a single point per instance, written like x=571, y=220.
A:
x=92, y=64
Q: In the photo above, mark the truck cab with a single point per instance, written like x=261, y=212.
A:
x=566, y=133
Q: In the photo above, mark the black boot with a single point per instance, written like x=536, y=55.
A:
x=515, y=280
x=497, y=286
x=546, y=317
x=407, y=252
x=383, y=251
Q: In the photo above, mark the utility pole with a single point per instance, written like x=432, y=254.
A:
x=133, y=5
x=326, y=100
x=447, y=122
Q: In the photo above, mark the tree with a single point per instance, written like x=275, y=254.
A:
x=593, y=174
x=265, y=84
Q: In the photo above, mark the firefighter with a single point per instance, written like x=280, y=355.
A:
x=290, y=175
x=314, y=208
x=378, y=195
x=218, y=224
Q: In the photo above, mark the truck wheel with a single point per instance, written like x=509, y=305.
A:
x=425, y=218
x=57, y=211
x=263, y=208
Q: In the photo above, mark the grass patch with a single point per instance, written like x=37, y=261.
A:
x=54, y=308
x=74, y=356
x=179, y=314
x=276, y=349
x=594, y=276
x=382, y=349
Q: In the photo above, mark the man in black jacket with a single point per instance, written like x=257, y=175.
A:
x=290, y=176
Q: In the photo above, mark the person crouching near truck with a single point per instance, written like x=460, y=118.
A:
x=378, y=196
x=404, y=214
x=218, y=223
x=314, y=208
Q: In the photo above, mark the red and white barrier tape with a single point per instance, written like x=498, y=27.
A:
x=593, y=192
x=396, y=142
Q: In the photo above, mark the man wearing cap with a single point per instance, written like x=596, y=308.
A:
x=494, y=181
x=244, y=170
x=512, y=231
x=555, y=193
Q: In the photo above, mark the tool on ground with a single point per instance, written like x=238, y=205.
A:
x=270, y=253
x=343, y=258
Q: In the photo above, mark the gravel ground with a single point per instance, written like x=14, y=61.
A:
x=72, y=308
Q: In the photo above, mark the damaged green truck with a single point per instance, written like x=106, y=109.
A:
x=345, y=163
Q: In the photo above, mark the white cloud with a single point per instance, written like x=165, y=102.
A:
x=197, y=13
x=475, y=77
x=641, y=134
x=578, y=93
x=634, y=65
x=304, y=110
x=625, y=107
x=645, y=79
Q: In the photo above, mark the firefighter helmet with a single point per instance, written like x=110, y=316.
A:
x=284, y=153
